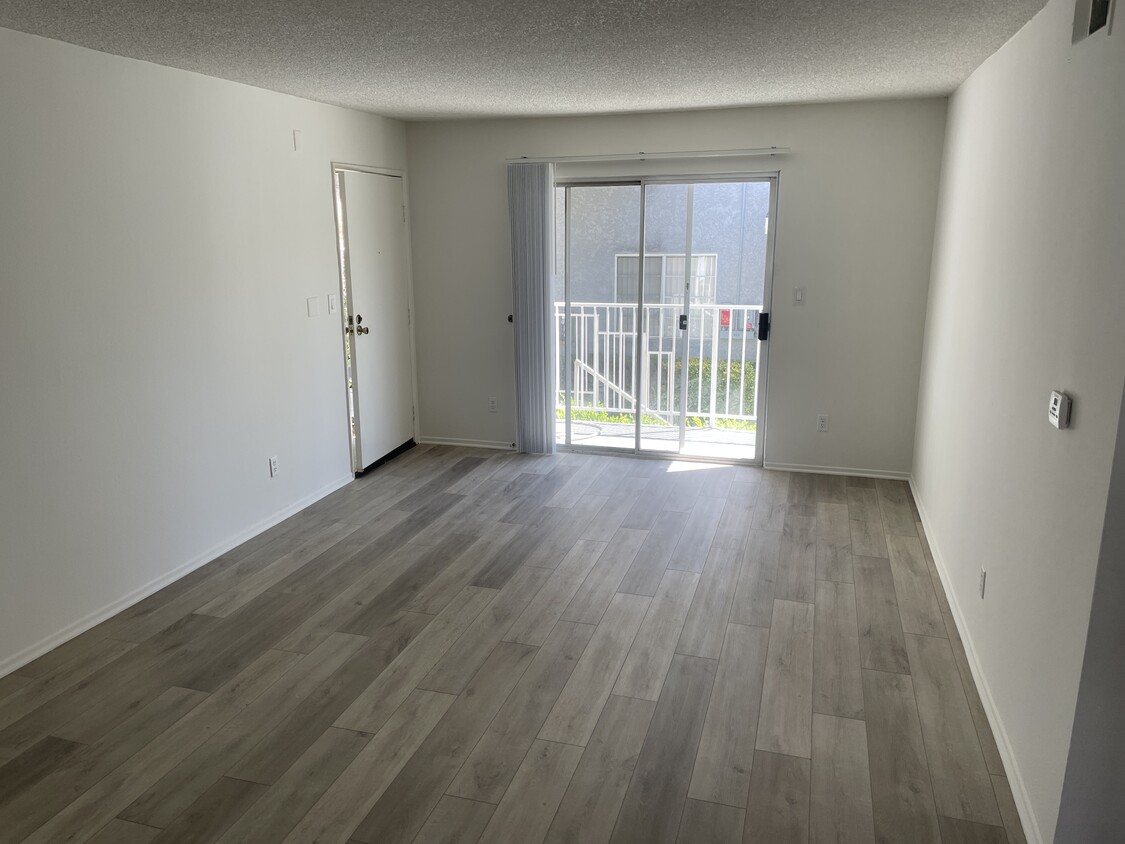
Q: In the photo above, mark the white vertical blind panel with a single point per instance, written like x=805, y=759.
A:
x=530, y=209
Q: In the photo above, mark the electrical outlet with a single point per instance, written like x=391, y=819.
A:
x=273, y=467
x=492, y=404
x=983, y=577
x=822, y=423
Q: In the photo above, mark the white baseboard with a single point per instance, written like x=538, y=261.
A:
x=839, y=470
x=470, y=443
x=1015, y=779
x=15, y=661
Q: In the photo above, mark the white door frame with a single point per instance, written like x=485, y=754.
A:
x=341, y=218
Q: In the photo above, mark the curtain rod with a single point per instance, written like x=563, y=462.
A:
x=642, y=156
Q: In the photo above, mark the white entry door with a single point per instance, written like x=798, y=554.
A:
x=376, y=313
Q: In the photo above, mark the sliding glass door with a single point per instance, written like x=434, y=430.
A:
x=659, y=301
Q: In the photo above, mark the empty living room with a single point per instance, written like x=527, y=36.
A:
x=598, y=422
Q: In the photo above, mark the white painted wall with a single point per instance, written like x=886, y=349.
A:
x=1027, y=295
x=857, y=204
x=158, y=239
x=1092, y=810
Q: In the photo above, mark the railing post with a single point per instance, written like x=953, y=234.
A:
x=714, y=359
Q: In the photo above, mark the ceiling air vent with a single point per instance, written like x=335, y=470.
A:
x=1092, y=16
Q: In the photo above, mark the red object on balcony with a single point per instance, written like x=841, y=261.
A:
x=724, y=318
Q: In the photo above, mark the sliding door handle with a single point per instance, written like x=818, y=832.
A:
x=683, y=322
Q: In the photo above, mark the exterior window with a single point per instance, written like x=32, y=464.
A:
x=664, y=279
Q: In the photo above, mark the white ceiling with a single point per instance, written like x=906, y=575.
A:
x=427, y=59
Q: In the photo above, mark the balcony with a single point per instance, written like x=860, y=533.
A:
x=707, y=408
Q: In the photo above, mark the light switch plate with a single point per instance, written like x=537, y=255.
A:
x=798, y=295
x=331, y=303
x=312, y=304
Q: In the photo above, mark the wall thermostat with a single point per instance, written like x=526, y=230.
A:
x=1059, y=412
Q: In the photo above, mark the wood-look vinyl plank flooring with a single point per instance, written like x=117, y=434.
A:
x=466, y=645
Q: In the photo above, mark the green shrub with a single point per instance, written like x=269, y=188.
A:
x=699, y=385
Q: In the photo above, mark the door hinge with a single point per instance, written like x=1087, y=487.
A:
x=404, y=213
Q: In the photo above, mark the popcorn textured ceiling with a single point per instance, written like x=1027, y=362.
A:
x=430, y=59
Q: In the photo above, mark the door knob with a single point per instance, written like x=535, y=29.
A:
x=362, y=329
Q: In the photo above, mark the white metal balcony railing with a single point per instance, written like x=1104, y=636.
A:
x=722, y=360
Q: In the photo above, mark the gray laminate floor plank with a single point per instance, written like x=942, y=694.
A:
x=777, y=809
x=593, y=797
x=306, y=722
x=881, y=643
x=645, y=667
x=690, y=552
x=695, y=647
x=785, y=717
x=753, y=597
x=609, y=517
x=726, y=748
x=213, y=812
x=534, y=624
x=771, y=504
x=82, y=770
x=833, y=542
x=1008, y=811
x=455, y=820
x=796, y=567
x=706, y=624
x=917, y=601
x=575, y=714
x=500, y=751
x=837, y=683
x=454, y=670
x=984, y=730
x=901, y=795
x=187, y=781
x=124, y=832
x=863, y=504
x=895, y=506
x=525, y=812
x=345, y=803
x=868, y=539
x=643, y=576
x=654, y=802
x=597, y=590
x=276, y=812
x=961, y=782
x=40, y=760
x=113, y=792
x=957, y=831
x=375, y=704
x=401, y=811
x=710, y=823
x=832, y=489
x=841, y=783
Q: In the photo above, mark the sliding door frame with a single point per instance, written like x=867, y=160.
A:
x=773, y=177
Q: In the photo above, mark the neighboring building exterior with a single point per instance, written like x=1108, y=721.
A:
x=728, y=234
